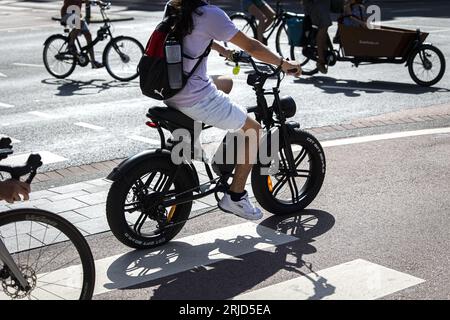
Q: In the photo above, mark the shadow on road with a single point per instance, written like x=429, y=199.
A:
x=350, y=88
x=68, y=87
x=224, y=279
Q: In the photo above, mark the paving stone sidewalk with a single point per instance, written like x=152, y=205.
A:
x=84, y=203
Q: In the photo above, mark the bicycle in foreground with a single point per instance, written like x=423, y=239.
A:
x=151, y=197
x=246, y=23
x=42, y=255
x=120, y=56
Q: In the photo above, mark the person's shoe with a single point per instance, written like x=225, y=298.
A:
x=242, y=208
x=97, y=65
x=322, y=67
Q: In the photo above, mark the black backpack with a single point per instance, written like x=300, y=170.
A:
x=153, y=71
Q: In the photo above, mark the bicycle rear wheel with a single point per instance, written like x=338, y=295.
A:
x=121, y=58
x=282, y=41
x=309, y=67
x=58, y=61
x=51, y=253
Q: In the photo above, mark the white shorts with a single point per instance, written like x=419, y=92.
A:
x=217, y=110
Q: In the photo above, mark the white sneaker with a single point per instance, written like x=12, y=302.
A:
x=242, y=208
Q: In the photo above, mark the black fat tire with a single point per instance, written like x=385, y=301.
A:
x=117, y=196
x=411, y=69
x=110, y=47
x=67, y=229
x=261, y=189
x=44, y=57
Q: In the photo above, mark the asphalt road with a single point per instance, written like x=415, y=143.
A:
x=93, y=97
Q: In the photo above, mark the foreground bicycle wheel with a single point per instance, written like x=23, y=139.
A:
x=283, y=193
x=51, y=253
x=133, y=208
x=57, y=59
x=121, y=58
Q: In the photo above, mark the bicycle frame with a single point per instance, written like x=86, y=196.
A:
x=8, y=261
x=264, y=115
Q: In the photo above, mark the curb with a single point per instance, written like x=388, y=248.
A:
x=105, y=167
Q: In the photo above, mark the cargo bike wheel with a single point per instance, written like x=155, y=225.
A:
x=426, y=65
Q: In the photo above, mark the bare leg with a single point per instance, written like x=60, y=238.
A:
x=88, y=37
x=321, y=39
x=223, y=83
x=251, y=150
x=263, y=21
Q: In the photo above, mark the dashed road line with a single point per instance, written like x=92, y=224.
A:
x=47, y=158
x=357, y=88
x=43, y=115
x=28, y=65
x=145, y=139
x=354, y=280
x=89, y=126
x=2, y=75
x=6, y=105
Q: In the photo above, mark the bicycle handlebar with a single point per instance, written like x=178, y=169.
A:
x=16, y=172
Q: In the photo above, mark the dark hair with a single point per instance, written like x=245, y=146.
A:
x=184, y=9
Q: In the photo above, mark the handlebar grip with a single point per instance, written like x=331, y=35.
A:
x=5, y=143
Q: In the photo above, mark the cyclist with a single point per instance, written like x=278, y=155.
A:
x=202, y=101
x=263, y=12
x=320, y=13
x=67, y=12
x=10, y=190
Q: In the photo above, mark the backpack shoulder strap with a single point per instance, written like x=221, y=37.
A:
x=200, y=59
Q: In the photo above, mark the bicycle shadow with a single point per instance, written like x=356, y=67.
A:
x=351, y=88
x=174, y=268
x=69, y=87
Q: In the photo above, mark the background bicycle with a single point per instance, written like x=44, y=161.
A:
x=120, y=57
x=42, y=255
x=247, y=24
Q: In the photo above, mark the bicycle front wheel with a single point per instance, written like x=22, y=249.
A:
x=245, y=24
x=52, y=255
x=283, y=192
x=282, y=41
x=121, y=58
x=58, y=61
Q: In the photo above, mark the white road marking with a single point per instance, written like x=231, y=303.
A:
x=47, y=158
x=356, y=88
x=2, y=75
x=386, y=136
x=89, y=126
x=411, y=10
x=146, y=140
x=135, y=267
x=28, y=65
x=43, y=115
x=6, y=106
x=27, y=28
x=355, y=280
x=12, y=139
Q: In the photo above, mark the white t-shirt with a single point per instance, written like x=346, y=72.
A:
x=212, y=24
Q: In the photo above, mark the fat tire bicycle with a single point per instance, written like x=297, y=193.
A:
x=121, y=55
x=151, y=197
x=35, y=244
x=246, y=23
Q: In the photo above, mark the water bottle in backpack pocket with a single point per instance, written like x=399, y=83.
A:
x=174, y=63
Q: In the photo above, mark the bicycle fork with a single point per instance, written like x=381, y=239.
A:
x=7, y=259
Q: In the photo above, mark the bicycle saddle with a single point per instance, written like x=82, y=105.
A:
x=170, y=118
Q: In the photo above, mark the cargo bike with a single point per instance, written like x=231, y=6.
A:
x=363, y=46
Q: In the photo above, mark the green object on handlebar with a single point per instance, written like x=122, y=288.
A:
x=236, y=70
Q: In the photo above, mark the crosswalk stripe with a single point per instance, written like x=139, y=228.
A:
x=135, y=267
x=28, y=65
x=355, y=280
x=47, y=158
